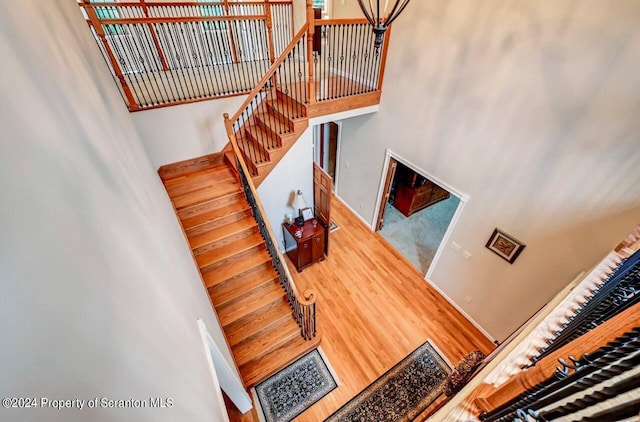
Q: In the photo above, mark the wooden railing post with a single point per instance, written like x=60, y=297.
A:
x=311, y=26
x=154, y=35
x=272, y=50
x=383, y=59
x=97, y=26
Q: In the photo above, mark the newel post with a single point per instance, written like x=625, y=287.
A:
x=272, y=50
x=97, y=26
x=311, y=26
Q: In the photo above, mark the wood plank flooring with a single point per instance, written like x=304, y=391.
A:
x=374, y=308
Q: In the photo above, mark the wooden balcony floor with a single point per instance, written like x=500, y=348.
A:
x=374, y=308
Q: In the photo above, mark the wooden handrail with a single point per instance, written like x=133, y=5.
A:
x=274, y=67
x=184, y=3
x=172, y=19
x=353, y=21
x=304, y=313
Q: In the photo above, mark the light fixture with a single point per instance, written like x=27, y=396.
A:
x=299, y=203
x=378, y=17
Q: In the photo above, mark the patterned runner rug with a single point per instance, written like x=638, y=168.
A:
x=400, y=394
x=291, y=391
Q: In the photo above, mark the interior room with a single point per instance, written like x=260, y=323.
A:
x=151, y=153
x=416, y=216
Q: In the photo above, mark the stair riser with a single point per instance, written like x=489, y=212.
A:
x=229, y=313
x=211, y=285
x=219, y=222
x=222, y=242
x=229, y=261
x=275, y=127
x=260, y=350
x=281, y=114
x=283, y=320
x=219, y=297
x=293, y=104
x=210, y=205
x=178, y=187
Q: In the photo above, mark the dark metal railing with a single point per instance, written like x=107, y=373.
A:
x=164, y=53
x=346, y=60
x=255, y=128
x=610, y=371
x=617, y=293
x=304, y=310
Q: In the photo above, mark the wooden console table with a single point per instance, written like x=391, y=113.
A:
x=308, y=248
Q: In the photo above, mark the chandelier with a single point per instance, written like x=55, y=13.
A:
x=378, y=17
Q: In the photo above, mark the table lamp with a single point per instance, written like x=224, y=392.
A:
x=299, y=203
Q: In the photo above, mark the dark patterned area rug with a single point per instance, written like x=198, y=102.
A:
x=294, y=389
x=402, y=393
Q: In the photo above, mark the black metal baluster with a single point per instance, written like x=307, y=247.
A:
x=196, y=65
x=129, y=61
x=226, y=76
x=178, y=63
x=145, y=58
x=170, y=57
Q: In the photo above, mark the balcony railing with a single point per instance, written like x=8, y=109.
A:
x=166, y=53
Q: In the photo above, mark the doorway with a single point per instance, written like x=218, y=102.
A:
x=326, y=149
x=416, y=212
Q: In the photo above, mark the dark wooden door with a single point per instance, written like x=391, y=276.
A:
x=322, y=185
x=391, y=174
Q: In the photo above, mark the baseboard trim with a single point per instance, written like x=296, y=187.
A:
x=365, y=222
x=459, y=309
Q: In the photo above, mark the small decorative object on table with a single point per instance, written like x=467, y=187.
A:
x=298, y=233
x=289, y=219
x=315, y=223
x=505, y=246
x=307, y=214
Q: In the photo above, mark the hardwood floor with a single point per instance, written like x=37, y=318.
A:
x=374, y=308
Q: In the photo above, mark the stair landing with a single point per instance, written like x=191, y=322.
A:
x=236, y=269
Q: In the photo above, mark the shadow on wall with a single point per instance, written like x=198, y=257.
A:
x=570, y=251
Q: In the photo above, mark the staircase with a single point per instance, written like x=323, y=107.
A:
x=236, y=268
x=273, y=127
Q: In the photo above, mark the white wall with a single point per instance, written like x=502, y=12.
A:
x=177, y=133
x=293, y=172
x=531, y=108
x=100, y=296
x=342, y=9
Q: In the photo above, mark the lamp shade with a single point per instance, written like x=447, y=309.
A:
x=298, y=201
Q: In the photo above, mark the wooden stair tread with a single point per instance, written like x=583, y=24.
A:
x=240, y=266
x=276, y=124
x=265, y=342
x=219, y=233
x=237, y=205
x=231, y=289
x=264, y=139
x=181, y=168
x=210, y=204
x=241, y=309
x=244, y=330
x=287, y=110
x=236, y=247
x=190, y=182
x=205, y=194
x=259, y=369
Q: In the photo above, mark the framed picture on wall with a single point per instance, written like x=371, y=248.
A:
x=505, y=246
x=307, y=213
